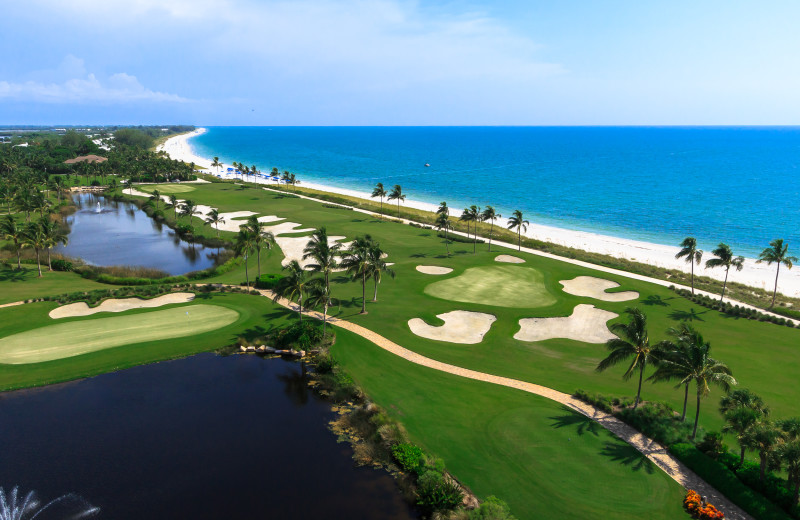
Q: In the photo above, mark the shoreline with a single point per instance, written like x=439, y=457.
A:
x=755, y=275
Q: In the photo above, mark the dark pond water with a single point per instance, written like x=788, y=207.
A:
x=104, y=232
x=205, y=437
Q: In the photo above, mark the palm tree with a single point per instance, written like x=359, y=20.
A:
x=443, y=223
x=33, y=236
x=293, y=286
x=243, y=247
x=215, y=219
x=357, y=263
x=490, y=215
x=397, y=194
x=776, y=252
x=676, y=361
x=763, y=438
x=379, y=191
x=216, y=164
x=636, y=345
x=705, y=371
x=519, y=222
x=189, y=209
x=12, y=231
x=261, y=239
x=173, y=203
x=128, y=184
x=318, y=295
x=54, y=236
x=466, y=216
x=324, y=255
x=789, y=452
x=378, y=266
x=156, y=198
x=739, y=422
x=743, y=398
x=692, y=254
x=472, y=214
x=725, y=259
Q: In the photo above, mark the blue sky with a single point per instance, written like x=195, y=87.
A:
x=395, y=62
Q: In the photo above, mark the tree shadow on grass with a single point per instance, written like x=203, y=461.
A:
x=12, y=275
x=419, y=255
x=580, y=422
x=655, y=299
x=628, y=456
x=690, y=315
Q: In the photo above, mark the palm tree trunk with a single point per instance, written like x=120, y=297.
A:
x=324, y=318
x=697, y=414
x=49, y=264
x=217, y=226
x=775, y=292
x=692, y=277
x=763, y=456
x=519, y=239
x=258, y=256
x=381, y=204
x=246, y=275
x=398, y=208
x=491, y=230
x=38, y=264
x=724, y=284
x=363, y=293
x=375, y=296
x=685, y=400
x=19, y=263
x=741, y=456
x=639, y=391
x=796, y=493
x=300, y=306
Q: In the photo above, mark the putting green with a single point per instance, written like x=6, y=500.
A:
x=501, y=286
x=80, y=337
x=166, y=189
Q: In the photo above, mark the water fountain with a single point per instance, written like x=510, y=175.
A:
x=98, y=209
x=13, y=506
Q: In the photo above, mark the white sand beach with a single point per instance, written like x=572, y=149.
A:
x=755, y=275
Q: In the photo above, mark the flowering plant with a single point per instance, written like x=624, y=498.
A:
x=694, y=505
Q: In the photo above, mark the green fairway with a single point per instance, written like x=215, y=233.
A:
x=80, y=337
x=546, y=461
x=166, y=189
x=501, y=286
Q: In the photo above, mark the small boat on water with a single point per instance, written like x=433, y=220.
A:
x=427, y=165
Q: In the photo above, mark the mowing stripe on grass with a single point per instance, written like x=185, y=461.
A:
x=80, y=337
x=166, y=189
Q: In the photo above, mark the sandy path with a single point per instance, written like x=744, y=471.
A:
x=654, y=451
x=596, y=288
x=118, y=305
x=465, y=327
x=433, y=269
x=587, y=323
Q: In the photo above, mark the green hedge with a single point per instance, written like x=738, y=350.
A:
x=726, y=482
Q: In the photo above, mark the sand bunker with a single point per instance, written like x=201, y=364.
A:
x=508, y=259
x=587, y=323
x=464, y=327
x=433, y=269
x=592, y=287
x=124, y=304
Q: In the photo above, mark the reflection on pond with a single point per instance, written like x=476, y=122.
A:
x=104, y=232
x=206, y=437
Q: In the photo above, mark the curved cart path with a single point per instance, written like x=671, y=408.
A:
x=654, y=451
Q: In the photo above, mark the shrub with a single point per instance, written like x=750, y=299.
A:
x=712, y=445
x=61, y=265
x=597, y=400
x=492, y=509
x=325, y=363
x=410, y=457
x=437, y=492
x=300, y=335
x=268, y=281
x=726, y=483
x=657, y=421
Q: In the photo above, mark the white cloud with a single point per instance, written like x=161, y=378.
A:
x=82, y=87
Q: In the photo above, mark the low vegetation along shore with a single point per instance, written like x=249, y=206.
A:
x=420, y=290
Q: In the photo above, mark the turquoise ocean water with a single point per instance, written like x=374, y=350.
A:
x=740, y=185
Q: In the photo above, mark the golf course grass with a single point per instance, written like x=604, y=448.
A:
x=501, y=286
x=167, y=189
x=544, y=460
x=64, y=340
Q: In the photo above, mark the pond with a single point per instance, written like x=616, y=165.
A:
x=206, y=437
x=104, y=232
